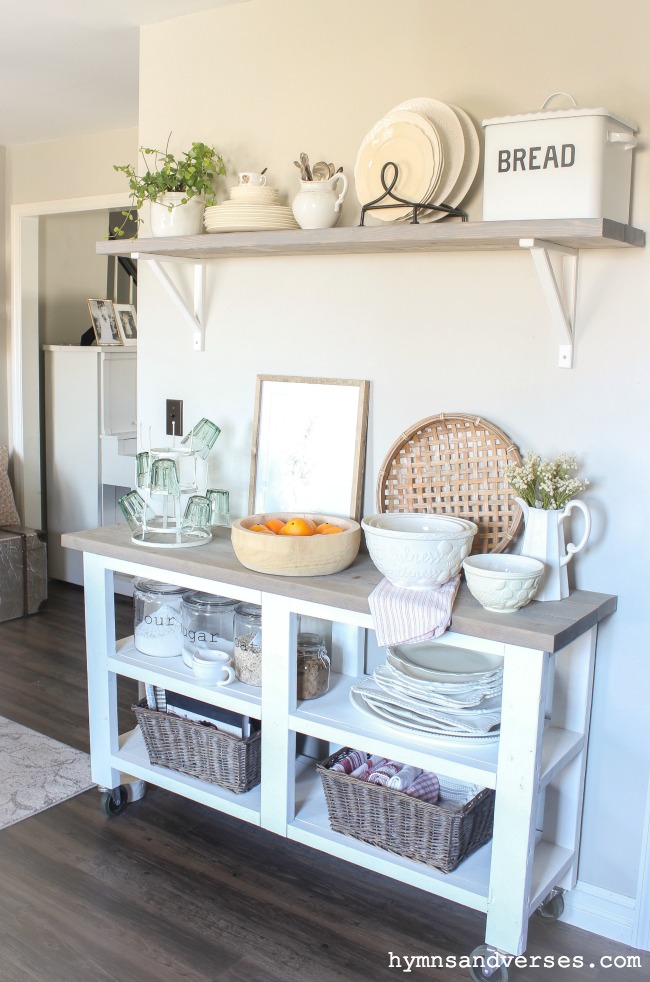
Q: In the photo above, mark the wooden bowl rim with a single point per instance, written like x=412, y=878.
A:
x=350, y=524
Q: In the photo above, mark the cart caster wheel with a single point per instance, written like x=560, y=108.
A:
x=552, y=907
x=114, y=802
x=483, y=968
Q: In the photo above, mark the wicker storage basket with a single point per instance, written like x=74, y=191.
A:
x=200, y=751
x=439, y=835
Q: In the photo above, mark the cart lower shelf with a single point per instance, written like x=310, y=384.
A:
x=468, y=884
x=134, y=759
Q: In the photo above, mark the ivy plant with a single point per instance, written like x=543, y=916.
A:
x=191, y=173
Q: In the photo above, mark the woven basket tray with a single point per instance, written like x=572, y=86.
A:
x=200, y=751
x=453, y=464
x=440, y=835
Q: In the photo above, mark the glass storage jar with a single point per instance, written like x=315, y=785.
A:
x=248, y=643
x=207, y=622
x=313, y=666
x=157, y=618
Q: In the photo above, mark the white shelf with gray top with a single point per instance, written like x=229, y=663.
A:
x=537, y=767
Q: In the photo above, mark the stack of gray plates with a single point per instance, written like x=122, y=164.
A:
x=435, y=689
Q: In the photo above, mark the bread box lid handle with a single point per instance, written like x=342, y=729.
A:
x=554, y=95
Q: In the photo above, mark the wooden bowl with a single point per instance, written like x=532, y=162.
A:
x=295, y=555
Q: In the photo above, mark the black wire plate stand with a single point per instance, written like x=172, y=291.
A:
x=392, y=200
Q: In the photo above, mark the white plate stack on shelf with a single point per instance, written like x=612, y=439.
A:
x=249, y=209
x=436, y=149
x=436, y=690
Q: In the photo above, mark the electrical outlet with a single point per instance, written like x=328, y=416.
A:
x=174, y=417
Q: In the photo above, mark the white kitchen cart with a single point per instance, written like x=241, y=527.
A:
x=537, y=767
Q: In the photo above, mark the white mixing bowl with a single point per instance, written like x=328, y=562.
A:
x=419, y=552
x=501, y=582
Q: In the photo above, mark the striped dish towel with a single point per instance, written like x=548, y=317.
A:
x=350, y=762
x=383, y=772
x=401, y=615
x=404, y=778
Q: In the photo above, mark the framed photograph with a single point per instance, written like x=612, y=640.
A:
x=104, y=322
x=309, y=445
x=126, y=318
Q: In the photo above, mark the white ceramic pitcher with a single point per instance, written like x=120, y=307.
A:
x=318, y=203
x=544, y=540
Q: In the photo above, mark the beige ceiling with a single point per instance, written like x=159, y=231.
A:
x=70, y=67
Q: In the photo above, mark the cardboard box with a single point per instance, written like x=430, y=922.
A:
x=568, y=163
x=23, y=571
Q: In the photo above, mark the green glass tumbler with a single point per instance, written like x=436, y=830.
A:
x=220, y=501
x=142, y=469
x=197, y=515
x=135, y=510
x=164, y=477
x=201, y=438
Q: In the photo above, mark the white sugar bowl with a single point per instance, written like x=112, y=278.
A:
x=502, y=583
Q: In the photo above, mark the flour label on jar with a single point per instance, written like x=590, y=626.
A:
x=157, y=619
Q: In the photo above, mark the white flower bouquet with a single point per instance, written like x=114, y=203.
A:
x=542, y=483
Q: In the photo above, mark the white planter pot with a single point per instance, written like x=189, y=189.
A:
x=170, y=217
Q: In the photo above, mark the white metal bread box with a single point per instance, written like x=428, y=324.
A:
x=558, y=163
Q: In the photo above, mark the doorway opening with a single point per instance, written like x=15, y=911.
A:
x=28, y=307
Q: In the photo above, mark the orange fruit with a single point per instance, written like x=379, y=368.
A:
x=328, y=529
x=298, y=526
x=261, y=528
x=275, y=524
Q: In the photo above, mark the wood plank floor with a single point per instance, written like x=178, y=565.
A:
x=170, y=890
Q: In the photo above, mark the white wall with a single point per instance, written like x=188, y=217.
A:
x=74, y=168
x=70, y=272
x=4, y=304
x=444, y=332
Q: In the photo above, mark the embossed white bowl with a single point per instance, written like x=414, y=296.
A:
x=503, y=583
x=419, y=552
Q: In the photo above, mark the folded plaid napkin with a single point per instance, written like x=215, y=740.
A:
x=401, y=615
x=426, y=787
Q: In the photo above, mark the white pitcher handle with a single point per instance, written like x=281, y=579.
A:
x=341, y=197
x=571, y=549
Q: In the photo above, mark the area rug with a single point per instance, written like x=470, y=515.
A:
x=36, y=772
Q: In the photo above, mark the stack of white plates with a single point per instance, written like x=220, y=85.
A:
x=445, y=692
x=252, y=195
x=436, y=149
x=250, y=209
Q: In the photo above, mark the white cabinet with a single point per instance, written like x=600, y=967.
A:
x=90, y=443
x=537, y=767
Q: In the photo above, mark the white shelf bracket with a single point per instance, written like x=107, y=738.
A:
x=194, y=315
x=560, y=292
